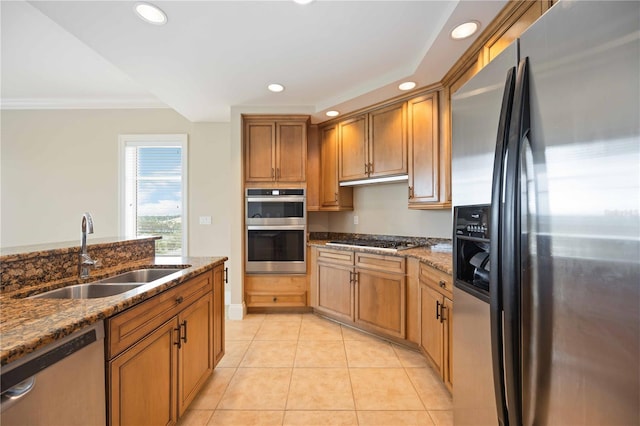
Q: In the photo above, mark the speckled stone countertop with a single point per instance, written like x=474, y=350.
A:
x=439, y=260
x=28, y=324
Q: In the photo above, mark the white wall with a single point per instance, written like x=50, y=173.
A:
x=57, y=164
x=382, y=209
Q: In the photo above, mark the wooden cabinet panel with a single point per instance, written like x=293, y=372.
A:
x=218, y=314
x=155, y=370
x=273, y=299
x=448, y=343
x=431, y=334
x=275, y=291
x=437, y=279
x=275, y=149
x=380, y=301
x=364, y=289
x=142, y=381
x=128, y=327
x=335, y=291
x=291, y=152
x=424, y=156
x=352, y=151
x=332, y=195
x=388, y=141
x=195, y=362
x=260, y=139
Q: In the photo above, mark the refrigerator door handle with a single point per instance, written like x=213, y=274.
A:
x=511, y=247
x=496, y=217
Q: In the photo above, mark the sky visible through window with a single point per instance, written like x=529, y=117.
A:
x=159, y=196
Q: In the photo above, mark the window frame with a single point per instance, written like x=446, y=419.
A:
x=154, y=140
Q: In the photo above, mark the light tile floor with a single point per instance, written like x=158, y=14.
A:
x=299, y=369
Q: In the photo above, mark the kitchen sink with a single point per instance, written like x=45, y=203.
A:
x=108, y=286
x=87, y=291
x=140, y=275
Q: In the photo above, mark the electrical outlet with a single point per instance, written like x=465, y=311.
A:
x=355, y=220
x=205, y=220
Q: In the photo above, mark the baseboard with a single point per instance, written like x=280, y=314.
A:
x=237, y=311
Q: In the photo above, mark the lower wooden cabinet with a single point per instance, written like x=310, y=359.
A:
x=275, y=291
x=436, y=319
x=161, y=352
x=142, y=381
x=367, y=290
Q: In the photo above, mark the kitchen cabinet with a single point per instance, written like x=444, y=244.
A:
x=219, y=280
x=436, y=319
x=332, y=195
x=424, y=152
x=275, y=291
x=373, y=145
x=161, y=351
x=362, y=289
x=275, y=149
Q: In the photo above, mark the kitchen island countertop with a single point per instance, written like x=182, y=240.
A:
x=28, y=324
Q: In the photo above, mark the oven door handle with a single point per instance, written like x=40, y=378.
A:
x=276, y=227
x=276, y=199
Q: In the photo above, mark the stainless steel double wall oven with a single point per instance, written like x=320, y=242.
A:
x=276, y=229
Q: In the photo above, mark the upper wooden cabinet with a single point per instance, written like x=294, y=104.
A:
x=353, y=158
x=332, y=195
x=275, y=149
x=424, y=150
x=374, y=144
x=388, y=141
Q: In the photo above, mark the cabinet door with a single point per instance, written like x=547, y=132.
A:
x=329, y=166
x=218, y=314
x=195, y=362
x=259, y=154
x=448, y=344
x=424, y=158
x=143, y=379
x=380, y=301
x=335, y=291
x=431, y=336
x=388, y=141
x=291, y=151
x=352, y=154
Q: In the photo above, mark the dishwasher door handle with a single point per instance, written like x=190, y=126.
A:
x=13, y=394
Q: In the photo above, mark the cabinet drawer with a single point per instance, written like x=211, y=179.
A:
x=380, y=262
x=260, y=299
x=339, y=257
x=436, y=279
x=125, y=329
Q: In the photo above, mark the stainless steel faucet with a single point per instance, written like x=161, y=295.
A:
x=85, y=261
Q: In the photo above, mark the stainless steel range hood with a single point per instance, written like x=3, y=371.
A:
x=370, y=181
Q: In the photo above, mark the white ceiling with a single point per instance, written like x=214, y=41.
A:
x=214, y=55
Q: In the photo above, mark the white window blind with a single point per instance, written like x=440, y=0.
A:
x=153, y=190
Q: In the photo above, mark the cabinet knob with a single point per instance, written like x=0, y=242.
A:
x=179, y=300
x=442, y=284
x=275, y=299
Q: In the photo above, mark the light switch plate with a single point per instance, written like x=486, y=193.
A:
x=205, y=220
x=355, y=220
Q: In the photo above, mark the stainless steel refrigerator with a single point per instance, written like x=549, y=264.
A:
x=546, y=141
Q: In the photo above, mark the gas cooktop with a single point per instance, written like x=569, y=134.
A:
x=385, y=245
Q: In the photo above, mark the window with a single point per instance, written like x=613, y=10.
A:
x=153, y=190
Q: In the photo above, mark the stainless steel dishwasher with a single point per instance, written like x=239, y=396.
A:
x=60, y=384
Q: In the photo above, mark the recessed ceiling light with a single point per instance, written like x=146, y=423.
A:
x=465, y=30
x=303, y=1
x=275, y=87
x=332, y=113
x=150, y=13
x=407, y=85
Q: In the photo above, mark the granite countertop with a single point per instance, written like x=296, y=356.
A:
x=439, y=260
x=28, y=324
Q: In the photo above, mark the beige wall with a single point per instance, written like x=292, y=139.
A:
x=382, y=209
x=58, y=164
